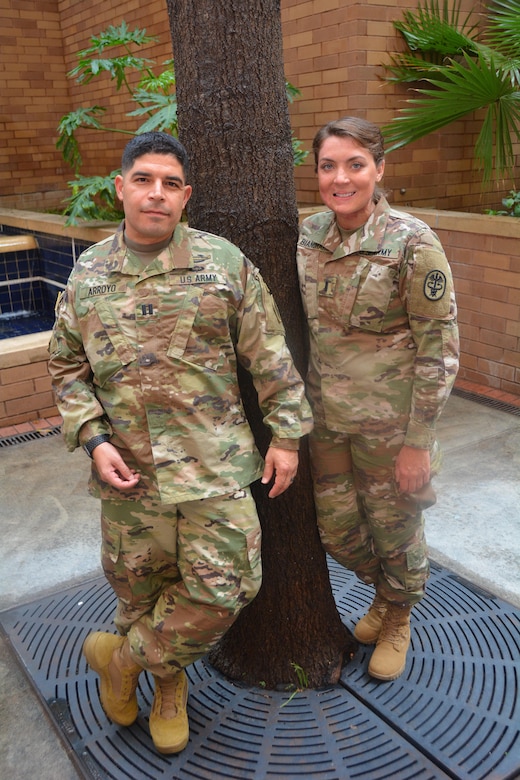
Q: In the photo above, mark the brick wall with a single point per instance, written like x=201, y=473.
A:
x=483, y=252
x=333, y=51
x=25, y=385
x=33, y=97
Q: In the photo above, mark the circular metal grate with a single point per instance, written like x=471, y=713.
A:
x=453, y=714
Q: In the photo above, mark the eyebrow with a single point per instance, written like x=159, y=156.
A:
x=349, y=159
x=167, y=178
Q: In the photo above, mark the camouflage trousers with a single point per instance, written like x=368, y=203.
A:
x=181, y=573
x=364, y=523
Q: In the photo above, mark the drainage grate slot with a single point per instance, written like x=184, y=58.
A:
x=454, y=713
x=484, y=400
x=22, y=438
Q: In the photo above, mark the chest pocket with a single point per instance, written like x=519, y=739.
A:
x=375, y=285
x=106, y=346
x=201, y=335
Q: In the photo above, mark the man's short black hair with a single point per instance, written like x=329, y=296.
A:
x=154, y=143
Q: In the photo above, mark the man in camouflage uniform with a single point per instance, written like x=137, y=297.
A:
x=383, y=358
x=143, y=359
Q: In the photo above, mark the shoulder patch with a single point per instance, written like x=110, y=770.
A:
x=430, y=285
x=434, y=285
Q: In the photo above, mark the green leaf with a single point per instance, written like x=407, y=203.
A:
x=94, y=197
x=117, y=36
x=503, y=30
x=163, y=120
x=164, y=82
x=67, y=143
x=86, y=70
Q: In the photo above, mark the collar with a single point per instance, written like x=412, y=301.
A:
x=178, y=254
x=366, y=239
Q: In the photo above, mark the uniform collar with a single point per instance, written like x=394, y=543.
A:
x=367, y=239
x=177, y=254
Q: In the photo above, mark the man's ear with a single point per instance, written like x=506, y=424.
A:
x=118, y=182
x=187, y=194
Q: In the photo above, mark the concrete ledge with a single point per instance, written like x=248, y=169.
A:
x=54, y=224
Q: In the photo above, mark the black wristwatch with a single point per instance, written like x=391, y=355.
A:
x=91, y=444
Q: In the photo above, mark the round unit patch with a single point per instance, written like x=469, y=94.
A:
x=434, y=285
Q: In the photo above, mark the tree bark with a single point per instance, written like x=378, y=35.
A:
x=234, y=121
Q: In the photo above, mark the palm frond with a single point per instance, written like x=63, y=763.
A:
x=465, y=87
x=503, y=31
x=435, y=30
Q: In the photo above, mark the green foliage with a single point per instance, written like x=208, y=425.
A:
x=463, y=69
x=303, y=682
x=93, y=197
x=512, y=206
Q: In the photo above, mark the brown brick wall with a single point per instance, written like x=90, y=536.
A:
x=25, y=385
x=33, y=97
x=483, y=253
x=333, y=53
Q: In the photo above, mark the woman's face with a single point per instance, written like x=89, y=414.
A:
x=347, y=177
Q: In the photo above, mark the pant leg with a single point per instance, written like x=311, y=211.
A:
x=396, y=523
x=217, y=572
x=343, y=529
x=138, y=554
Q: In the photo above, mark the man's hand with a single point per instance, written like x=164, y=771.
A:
x=112, y=468
x=412, y=469
x=283, y=464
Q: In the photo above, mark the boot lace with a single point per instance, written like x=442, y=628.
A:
x=170, y=691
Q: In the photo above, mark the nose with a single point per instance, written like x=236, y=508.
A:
x=156, y=190
x=341, y=174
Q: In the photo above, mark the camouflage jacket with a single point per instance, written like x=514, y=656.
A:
x=382, y=318
x=149, y=356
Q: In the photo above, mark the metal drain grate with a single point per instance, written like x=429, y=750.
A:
x=21, y=438
x=485, y=400
x=455, y=712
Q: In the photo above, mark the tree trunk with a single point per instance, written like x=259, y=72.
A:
x=234, y=121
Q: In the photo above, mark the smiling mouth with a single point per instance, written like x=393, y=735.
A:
x=344, y=194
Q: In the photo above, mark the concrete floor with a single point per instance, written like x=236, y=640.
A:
x=50, y=540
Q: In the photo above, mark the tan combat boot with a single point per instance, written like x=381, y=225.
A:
x=368, y=628
x=109, y=656
x=168, y=719
x=389, y=658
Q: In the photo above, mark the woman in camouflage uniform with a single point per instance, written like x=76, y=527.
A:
x=378, y=295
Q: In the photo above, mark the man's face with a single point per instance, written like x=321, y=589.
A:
x=153, y=193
